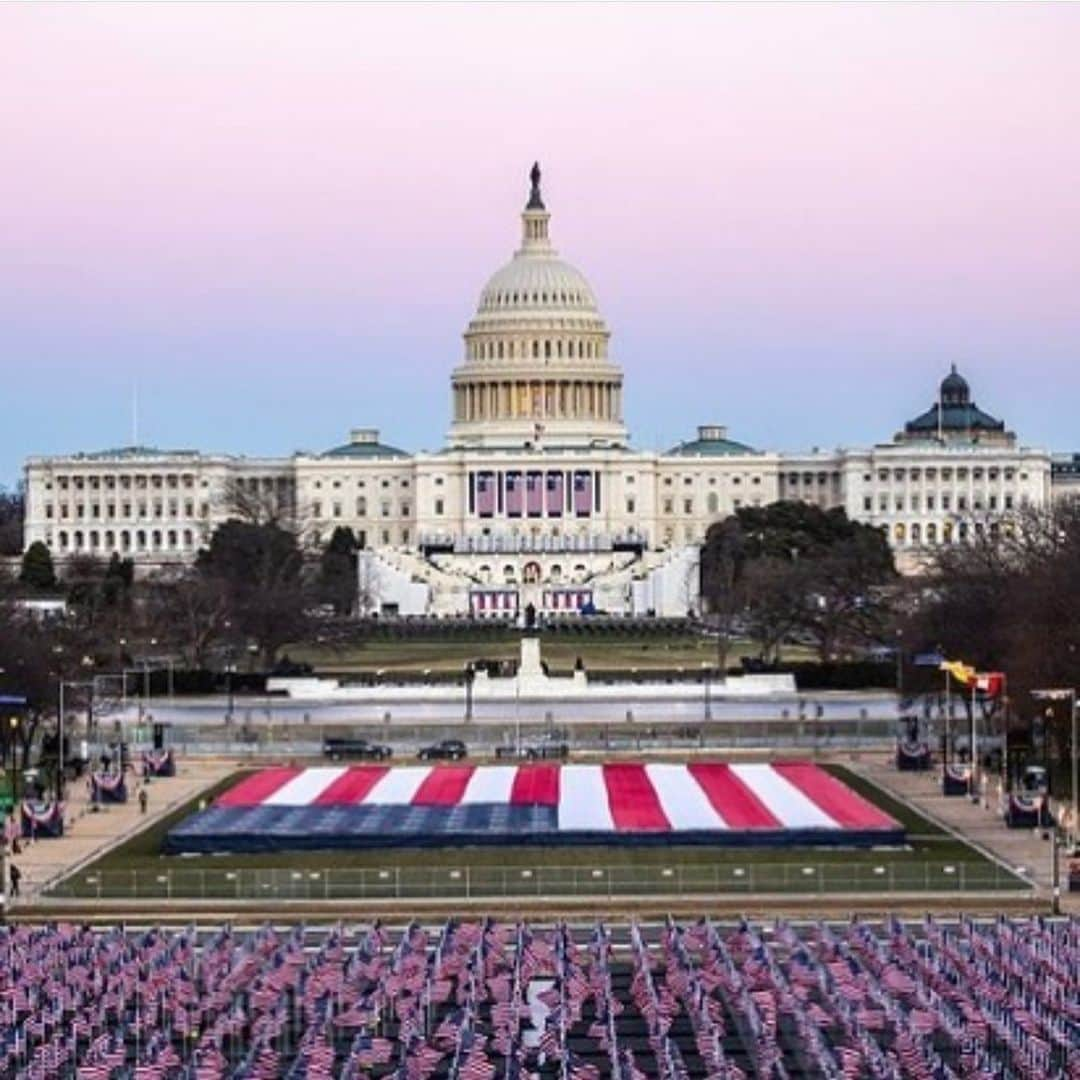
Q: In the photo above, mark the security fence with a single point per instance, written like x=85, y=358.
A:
x=734, y=877
x=306, y=740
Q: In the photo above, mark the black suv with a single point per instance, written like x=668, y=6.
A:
x=447, y=750
x=540, y=750
x=336, y=749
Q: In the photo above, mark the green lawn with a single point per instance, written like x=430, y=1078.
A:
x=932, y=859
x=559, y=652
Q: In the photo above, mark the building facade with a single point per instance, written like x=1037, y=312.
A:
x=537, y=497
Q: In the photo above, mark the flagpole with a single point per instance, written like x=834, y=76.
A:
x=974, y=746
x=948, y=715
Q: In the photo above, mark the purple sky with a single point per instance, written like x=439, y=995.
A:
x=277, y=220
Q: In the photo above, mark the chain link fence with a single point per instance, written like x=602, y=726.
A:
x=730, y=878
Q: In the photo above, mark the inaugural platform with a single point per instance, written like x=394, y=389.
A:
x=371, y=806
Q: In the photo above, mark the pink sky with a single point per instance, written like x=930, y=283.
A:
x=277, y=219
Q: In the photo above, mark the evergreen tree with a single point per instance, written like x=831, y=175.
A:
x=38, y=571
x=337, y=571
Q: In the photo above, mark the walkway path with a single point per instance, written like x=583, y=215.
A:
x=1022, y=849
x=88, y=835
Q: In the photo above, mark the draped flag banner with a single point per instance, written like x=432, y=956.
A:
x=109, y=787
x=1027, y=811
x=956, y=780
x=366, y=806
x=40, y=819
x=159, y=763
x=913, y=755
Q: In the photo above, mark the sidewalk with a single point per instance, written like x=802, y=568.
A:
x=1023, y=850
x=88, y=835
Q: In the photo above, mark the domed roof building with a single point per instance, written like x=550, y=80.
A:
x=536, y=367
x=954, y=417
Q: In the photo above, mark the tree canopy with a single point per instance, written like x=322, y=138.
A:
x=38, y=571
x=260, y=569
x=793, y=569
x=337, y=580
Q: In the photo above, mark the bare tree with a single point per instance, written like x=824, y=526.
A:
x=191, y=612
x=255, y=502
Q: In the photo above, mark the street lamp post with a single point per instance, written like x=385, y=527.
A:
x=708, y=696
x=60, y=746
x=13, y=723
x=470, y=674
x=1067, y=694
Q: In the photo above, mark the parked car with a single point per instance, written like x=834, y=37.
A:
x=537, y=750
x=447, y=750
x=336, y=749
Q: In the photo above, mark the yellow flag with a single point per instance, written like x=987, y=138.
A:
x=961, y=672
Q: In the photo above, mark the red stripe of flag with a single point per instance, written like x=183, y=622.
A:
x=258, y=787
x=535, y=785
x=731, y=798
x=352, y=786
x=633, y=800
x=443, y=786
x=836, y=799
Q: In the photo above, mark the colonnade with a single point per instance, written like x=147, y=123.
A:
x=570, y=399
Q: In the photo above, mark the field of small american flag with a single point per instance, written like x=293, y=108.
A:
x=482, y=1000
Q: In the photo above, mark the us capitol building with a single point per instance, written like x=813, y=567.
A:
x=537, y=497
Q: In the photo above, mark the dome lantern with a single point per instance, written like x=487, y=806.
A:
x=955, y=389
x=535, y=218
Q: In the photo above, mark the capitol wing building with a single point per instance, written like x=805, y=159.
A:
x=537, y=498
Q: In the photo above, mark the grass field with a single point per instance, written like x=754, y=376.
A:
x=932, y=860
x=559, y=652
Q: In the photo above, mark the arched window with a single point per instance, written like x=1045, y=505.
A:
x=714, y=503
x=931, y=533
x=536, y=350
x=916, y=534
x=899, y=532
x=189, y=540
x=361, y=507
x=125, y=540
x=110, y=539
x=156, y=539
x=140, y=540
x=172, y=539
x=63, y=541
x=78, y=540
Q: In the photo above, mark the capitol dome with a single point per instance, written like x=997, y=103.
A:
x=536, y=368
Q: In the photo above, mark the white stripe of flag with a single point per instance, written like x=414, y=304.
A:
x=685, y=805
x=583, y=800
x=398, y=786
x=304, y=788
x=788, y=804
x=490, y=784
